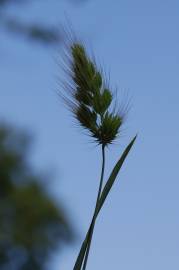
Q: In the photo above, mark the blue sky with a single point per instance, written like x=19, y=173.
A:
x=137, y=42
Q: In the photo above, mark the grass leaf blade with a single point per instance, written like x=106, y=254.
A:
x=113, y=175
x=102, y=199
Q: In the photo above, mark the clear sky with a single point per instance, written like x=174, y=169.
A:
x=138, y=42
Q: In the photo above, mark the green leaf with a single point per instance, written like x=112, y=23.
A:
x=104, y=194
x=82, y=252
x=113, y=176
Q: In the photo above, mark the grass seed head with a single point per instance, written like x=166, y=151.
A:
x=89, y=97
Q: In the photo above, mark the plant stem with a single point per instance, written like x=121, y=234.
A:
x=97, y=200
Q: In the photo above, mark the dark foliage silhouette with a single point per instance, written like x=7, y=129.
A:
x=31, y=224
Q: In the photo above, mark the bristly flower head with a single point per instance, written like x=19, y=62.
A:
x=89, y=97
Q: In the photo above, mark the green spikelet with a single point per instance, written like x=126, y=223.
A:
x=92, y=100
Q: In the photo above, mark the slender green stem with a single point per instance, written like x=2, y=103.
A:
x=97, y=200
